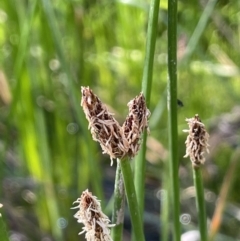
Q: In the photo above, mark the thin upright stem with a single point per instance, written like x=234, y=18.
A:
x=136, y=219
x=140, y=164
x=200, y=202
x=172, y=115
x=118, y=205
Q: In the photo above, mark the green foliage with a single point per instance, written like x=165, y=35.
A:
x=49, y=49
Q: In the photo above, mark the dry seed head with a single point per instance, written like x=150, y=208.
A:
x=197, y=141
x=135, y=123
x=104, y=128
x=96, y=223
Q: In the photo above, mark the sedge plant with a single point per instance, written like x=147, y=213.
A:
x=196, y=146
x=132, y=129
x=122, y=143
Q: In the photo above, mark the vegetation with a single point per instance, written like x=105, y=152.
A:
x=49, y=49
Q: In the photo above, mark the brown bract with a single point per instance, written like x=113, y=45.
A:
x=115, y=140
x=197, y=141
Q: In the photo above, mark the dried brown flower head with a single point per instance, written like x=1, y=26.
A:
x=96, y=223
x=197, y=141
x=104, y=128
x=115, y=140
x=135, y=123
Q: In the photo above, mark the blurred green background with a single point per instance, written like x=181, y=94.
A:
x=50, y=48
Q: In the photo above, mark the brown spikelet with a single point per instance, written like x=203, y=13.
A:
x=104, y=128
x=96, y=223
x=197, y=141
x=135, y=123
x=115, y=140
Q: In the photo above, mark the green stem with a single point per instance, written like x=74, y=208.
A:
x=172, y=115
x=118, y=206
x=136, y=220
x=139, y=178
x=150, y=49
x=200, y=201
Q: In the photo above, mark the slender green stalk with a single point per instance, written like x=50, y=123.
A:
x=118, y=206
x=140, y=165
x=200, y=201
x=172, y=115
x=150, y=49
x=136, y=221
